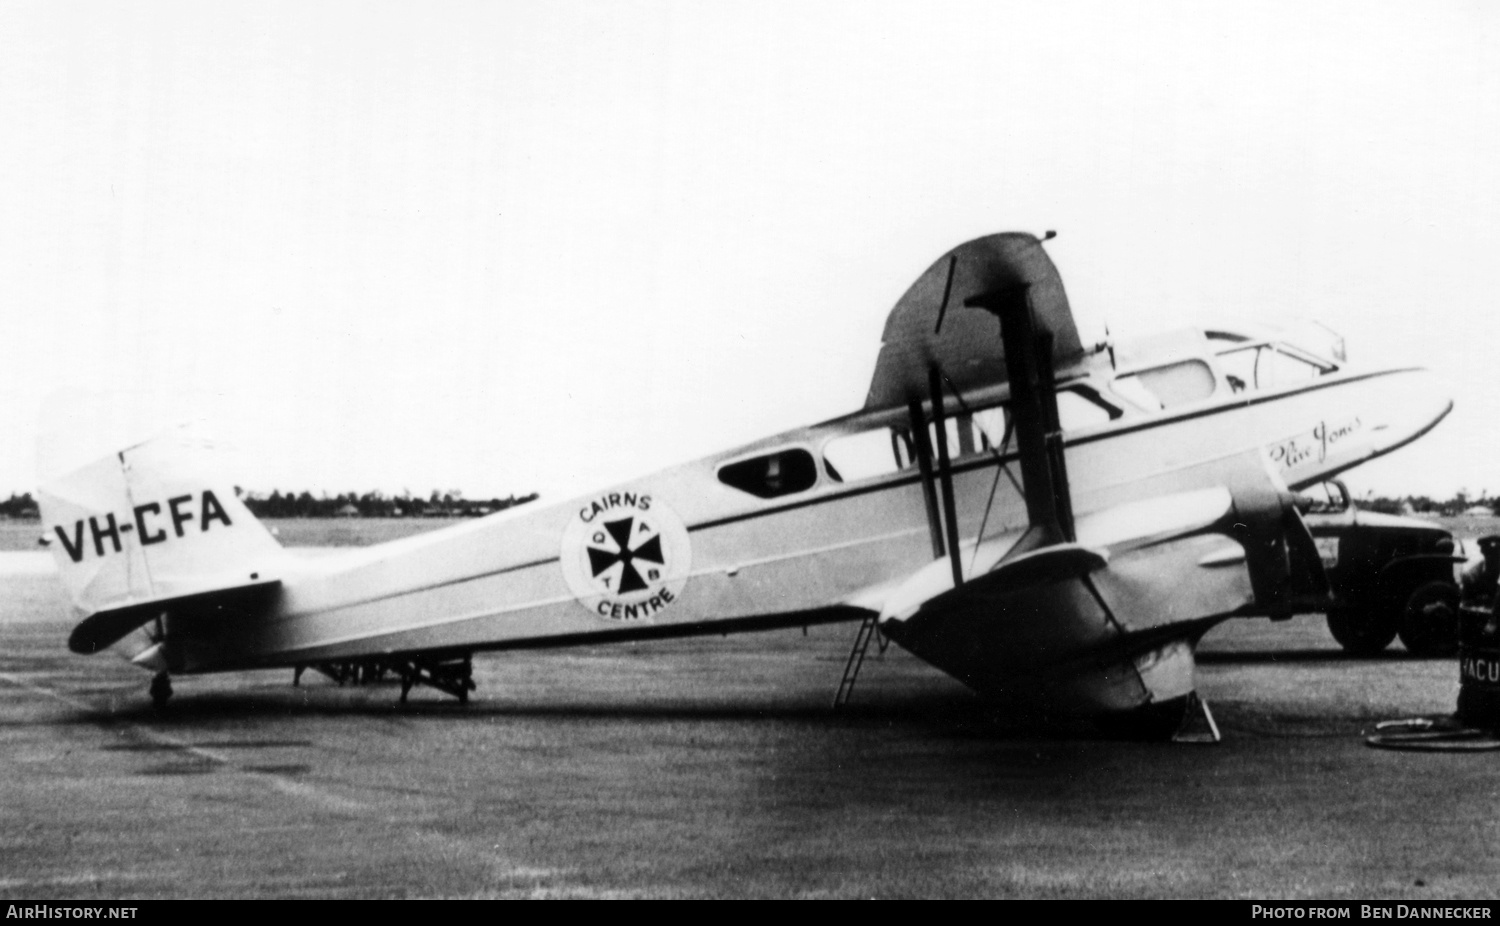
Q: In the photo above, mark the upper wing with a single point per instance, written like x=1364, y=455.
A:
x=930, y=324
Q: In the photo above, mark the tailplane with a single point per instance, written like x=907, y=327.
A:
x=144, y=530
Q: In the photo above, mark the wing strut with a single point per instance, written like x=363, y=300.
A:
x=924, y=463
x=1033, y=406
x=945, y=471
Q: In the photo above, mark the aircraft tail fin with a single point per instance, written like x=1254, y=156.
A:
x=145, y=527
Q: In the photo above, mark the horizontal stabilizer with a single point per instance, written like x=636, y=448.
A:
x=105, y=628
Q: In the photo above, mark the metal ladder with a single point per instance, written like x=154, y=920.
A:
x=867, y=631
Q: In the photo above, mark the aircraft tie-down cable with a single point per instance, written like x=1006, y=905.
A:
x=1445, y=733
x=997, y=450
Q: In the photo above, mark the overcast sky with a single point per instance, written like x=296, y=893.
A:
x=506, y=247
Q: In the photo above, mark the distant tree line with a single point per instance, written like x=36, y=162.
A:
x=376, y=504
x=19, y=506
x=1423, y=504
x=450, y=504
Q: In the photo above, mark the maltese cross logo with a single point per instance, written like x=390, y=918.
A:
x=626, y=555
x=631, y=545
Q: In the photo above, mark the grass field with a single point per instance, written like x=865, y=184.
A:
x=714, y=767
x=19, y=535
x=1468, y=527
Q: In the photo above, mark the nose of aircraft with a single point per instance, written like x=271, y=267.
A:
x=1405, y=405
x=1362, y=417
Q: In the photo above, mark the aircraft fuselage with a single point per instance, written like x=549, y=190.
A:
x=695, y=549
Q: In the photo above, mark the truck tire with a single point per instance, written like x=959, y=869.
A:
x=1362, y=631
x=1428, y=621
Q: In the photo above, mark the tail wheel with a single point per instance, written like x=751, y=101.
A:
x=1362, y=632
x=1428, y=621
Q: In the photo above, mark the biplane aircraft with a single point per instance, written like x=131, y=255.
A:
x=1055, y=525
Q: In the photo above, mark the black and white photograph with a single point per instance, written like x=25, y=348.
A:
x=713, y=449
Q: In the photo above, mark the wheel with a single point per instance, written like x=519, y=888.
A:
x=1428, y=622
x=1362, y=632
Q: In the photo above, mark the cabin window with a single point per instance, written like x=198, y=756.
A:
x=1265, y=366
x=879, y=452
x=1167, y=386
x=984, y=431
x=1239, y=368
x=784, y=472
x=886, y=451
x=989, y=427
x=969, y=434
x=1287, y=370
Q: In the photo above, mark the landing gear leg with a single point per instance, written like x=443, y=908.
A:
x=161, y=690
x=453, y=675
